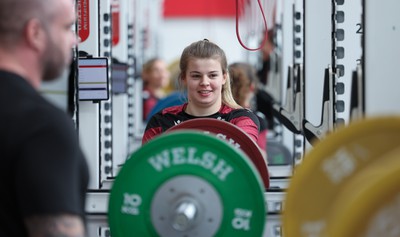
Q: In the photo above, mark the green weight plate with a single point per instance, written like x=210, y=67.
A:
x=325, y=170
x=187, y=183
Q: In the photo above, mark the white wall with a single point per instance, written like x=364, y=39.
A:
x=175, y=34
x=382, y=52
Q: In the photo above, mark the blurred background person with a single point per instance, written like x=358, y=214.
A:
x=244, y=88
x=156, y=79
x=175, y=93
x=264, y=101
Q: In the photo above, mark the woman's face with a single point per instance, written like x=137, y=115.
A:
x=158, y=77
x=204, y=80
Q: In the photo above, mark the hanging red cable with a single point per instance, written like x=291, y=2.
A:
x=237, y=28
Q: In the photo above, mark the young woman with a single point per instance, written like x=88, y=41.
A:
x=204, y=75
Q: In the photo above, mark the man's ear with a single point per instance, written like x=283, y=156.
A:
x=35, y=35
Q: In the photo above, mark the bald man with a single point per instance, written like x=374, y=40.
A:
x=43, y=172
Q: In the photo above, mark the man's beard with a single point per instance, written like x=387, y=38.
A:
x=54, y=64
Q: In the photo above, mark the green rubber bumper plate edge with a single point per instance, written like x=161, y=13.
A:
x=187, y=153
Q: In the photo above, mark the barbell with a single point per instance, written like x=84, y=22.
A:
x=194, y=180
x=188, y=182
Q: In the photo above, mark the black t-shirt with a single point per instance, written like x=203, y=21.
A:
x=43, y=169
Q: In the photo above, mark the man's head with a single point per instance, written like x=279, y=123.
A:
x=43, y=28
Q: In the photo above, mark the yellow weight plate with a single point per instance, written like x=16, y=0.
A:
x=370, y=204
x=331, y=163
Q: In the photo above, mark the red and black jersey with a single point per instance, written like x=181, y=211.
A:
x=169, y=117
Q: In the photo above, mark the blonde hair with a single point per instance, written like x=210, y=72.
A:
x=206, y=49
x=243, y=76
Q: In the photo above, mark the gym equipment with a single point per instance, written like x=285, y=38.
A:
x=328, y=167
x=233, y=135
x=187, y=183
x=292, y=113
x=315, y=133
x=278, y=154
x=356, y=98
x=370, y=203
